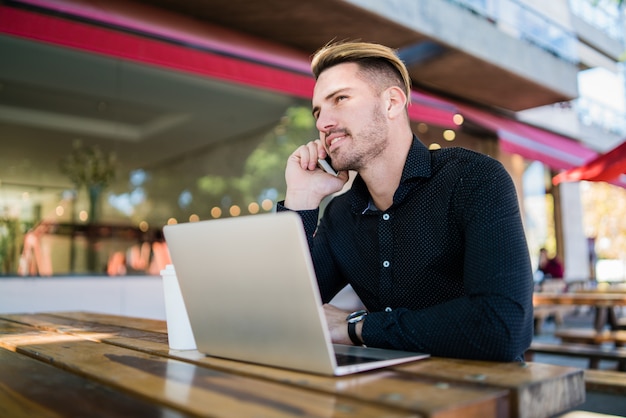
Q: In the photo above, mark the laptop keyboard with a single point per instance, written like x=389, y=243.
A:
x=351, y=359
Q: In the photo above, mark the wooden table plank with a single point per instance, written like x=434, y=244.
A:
x=604, y=304
x=31, y=388
x=498, y=379
x=591, y=336
x=425, y=396
x=604, y=288
x=447, y=372
x=606, y=381
x=520, y=379
x=180, y=385
x=536, y=389
x=592, y=299
x=143, y=324
x=96, y=331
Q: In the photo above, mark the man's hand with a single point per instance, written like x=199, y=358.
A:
x=336, y=319
x=308, y=184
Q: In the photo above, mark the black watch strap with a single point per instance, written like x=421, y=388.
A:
x=352, y=334
x=353, y=319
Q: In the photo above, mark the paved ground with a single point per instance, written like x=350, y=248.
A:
x=596, y=402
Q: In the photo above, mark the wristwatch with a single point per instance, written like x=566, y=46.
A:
x=352, y=320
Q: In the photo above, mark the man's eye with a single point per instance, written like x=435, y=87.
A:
x=340, y=98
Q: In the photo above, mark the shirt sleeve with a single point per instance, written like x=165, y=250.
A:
x=309, y=219
x=322, y=258
x=493, y=320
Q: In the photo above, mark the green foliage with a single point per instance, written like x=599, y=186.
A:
x=265, y=167
x=212, y=185
x=11, y=233
x=601, y=204
x=89, y=166
x=258, y=173
x=300, y=118
x=620, y=3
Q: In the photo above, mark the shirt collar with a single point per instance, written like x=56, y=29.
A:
x=417, y=165
x=418, y=162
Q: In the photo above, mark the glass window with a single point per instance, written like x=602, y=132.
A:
x=99, y=153
x=538, y=209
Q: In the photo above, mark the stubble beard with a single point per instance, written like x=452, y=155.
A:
x=367, y=144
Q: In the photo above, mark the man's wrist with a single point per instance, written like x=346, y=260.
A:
x=301, y=201
x=355, y=326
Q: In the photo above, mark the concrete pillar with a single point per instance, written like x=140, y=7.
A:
x=574, y=243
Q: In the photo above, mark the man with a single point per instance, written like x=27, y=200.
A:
x=550, y=267
x=431, y=241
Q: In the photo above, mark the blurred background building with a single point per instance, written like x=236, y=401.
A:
x=119, y=117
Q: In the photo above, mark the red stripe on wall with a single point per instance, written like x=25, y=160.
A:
x=130, y=47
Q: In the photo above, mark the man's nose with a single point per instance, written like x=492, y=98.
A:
x=324, y=122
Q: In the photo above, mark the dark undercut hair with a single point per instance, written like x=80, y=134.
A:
x=378, y=64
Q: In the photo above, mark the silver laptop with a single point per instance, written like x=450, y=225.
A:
x=251, y=295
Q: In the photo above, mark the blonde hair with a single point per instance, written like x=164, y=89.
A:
x=377, y=62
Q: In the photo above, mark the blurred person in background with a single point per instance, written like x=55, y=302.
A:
x=552, y=268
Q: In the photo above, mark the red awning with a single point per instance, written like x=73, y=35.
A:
x=208, y=59
x=607, y=167
x=218, y=53
x=226, y=55
x=430, y=109
x=556, y=151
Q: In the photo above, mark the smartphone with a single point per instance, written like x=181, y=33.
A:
x=327, y=166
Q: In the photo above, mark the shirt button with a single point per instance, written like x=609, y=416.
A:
x=388, y=309
x=386, y=216
x=386, y=263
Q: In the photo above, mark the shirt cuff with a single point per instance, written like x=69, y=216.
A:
x=371, y=332
x=309, y=217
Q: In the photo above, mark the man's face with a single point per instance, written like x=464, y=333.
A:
x=350, y=118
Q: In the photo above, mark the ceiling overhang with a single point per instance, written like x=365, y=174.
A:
x=305, y=26
x=434, y=66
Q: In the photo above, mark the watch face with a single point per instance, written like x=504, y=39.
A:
x=356, y=316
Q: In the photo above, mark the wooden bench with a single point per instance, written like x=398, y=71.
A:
x=606, y=381
x=594, y=353
x=541, y=313
x=591, y=336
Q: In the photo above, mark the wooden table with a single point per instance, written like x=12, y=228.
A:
x=605, y=287
x=85, y=364
x=603, y=302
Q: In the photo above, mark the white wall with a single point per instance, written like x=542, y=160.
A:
x=138, y=296
x=574, y=238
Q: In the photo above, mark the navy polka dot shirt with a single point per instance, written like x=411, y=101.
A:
x=445, y=270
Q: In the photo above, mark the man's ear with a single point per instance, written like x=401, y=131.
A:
x=395, y=100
